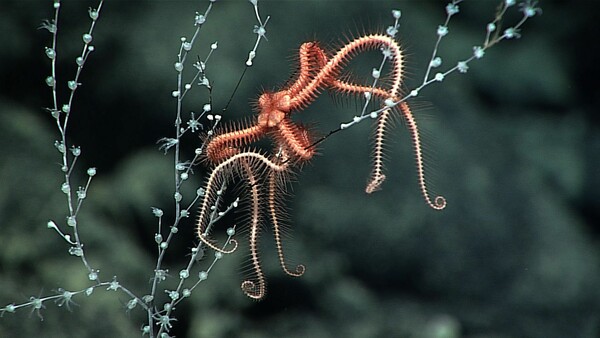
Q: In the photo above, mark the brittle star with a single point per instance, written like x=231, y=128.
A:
x=228, y=151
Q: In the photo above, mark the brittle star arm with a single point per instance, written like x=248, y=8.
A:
x=392, y=51
x=276, y=187
x=377, y=175
x=311, y=59
x=328, y=76
x=256, y=288
x=231, y=138
x=332, y=68
x=439, y=202
x=211, y=191
x=248, y=164
x=295, y=139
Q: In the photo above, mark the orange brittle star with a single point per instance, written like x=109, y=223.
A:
x=228, y=151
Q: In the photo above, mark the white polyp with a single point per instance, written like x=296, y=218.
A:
x=436, y=62
x=87, y=38
x=93, y=275
x=50, y=81
x=442, y=31
x=200, y=19
x=65, y=188
x=478, y=52
x=375, y=73
x=202, y=275
x=50, y=53
x=132, y=304
x=76, y=151
x=251, y=56
x=157, y=212
x=391, y=31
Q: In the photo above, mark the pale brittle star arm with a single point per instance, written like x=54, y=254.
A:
x=246, y=164
x=255, y=289
x=276, y=185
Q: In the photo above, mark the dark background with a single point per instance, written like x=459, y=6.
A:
x=513, y=145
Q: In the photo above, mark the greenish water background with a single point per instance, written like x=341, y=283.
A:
x=513, y=145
